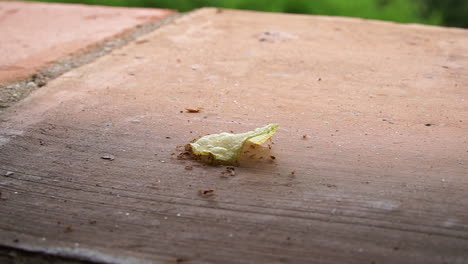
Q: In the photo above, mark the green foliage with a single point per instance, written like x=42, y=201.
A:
x=448, y=12
x=454, y=12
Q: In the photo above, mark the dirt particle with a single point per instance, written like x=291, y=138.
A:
x=396, y=248
x=273, y=37
x=293, y=173
x=319, y=79
x=141, y=41
x=168, y=137
x=68, y=229
x=108, y=157
x=230, y=171
x=16, y=240
x=206, y=193
x=2, y=198
x=189, y=167
x=92, y=222
x=184, y=155
x=193, y=110
x=154, y=186
x=272, y=157
x=304, y=136
x=428, y=124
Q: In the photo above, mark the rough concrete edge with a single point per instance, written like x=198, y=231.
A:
x=15, y=255
x=66, y=255
x=18, y=90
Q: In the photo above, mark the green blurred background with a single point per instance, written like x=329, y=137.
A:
x=435, y=12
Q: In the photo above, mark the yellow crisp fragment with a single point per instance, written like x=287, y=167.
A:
x=227, y=147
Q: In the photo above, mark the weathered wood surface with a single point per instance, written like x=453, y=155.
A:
x=380, y=178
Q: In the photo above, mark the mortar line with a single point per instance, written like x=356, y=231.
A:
x=18, y=90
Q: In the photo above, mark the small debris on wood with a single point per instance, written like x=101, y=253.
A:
x=275, y=36
x=180, y=260
x=183, y=155
x=206, y=193
x=305, y=136
x=141, y=41
x=9, y=173
x=293, y=173
x=189, y=167
x=388, y=121
x=168, y=137
x=154, y=186
x=92, y=222
x=272, y=157
x=330, y=185
x=319, y=79
x=193, y=110
x=68, y=229
x=108, y=157
x=230, y=171
x=428, y=124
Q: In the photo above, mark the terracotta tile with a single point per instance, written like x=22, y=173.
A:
x=34, y=35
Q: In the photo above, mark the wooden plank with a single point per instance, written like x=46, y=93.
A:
x=379, y=178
